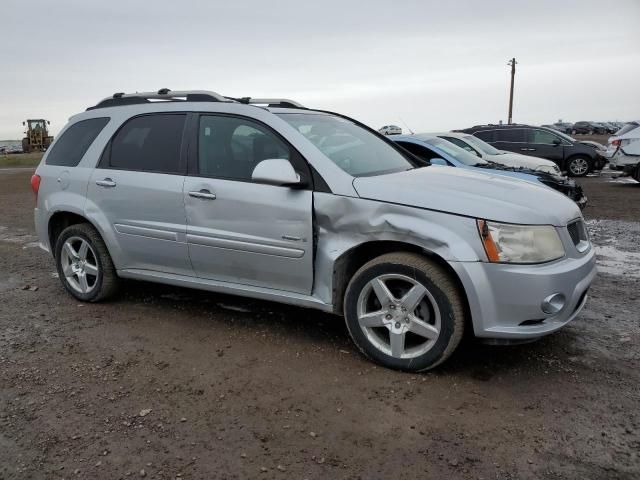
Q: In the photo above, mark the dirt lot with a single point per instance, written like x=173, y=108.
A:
x=172, y=383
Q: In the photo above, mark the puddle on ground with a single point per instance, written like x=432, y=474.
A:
x=617, y=247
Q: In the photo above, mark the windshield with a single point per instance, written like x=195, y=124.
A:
x=456, y=152
x=352, y=148
x=481, y=145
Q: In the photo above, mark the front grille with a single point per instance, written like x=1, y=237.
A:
x=578, y=234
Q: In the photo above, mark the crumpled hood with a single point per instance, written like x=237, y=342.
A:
x=517, y=160
x=465, y=192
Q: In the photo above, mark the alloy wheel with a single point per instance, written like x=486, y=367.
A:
x=399, y=316
x=578, y=166
x=79, y=264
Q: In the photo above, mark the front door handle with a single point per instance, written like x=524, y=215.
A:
x=107, y=182
x=527, y=149
x=203, y=194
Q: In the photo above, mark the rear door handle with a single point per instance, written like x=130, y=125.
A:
x=527, y=149
x=203, y=194
x=107, y=182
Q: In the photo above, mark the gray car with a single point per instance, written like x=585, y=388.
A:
x=267, y=199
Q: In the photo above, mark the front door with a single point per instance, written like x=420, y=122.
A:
x=541, y=144
x=239, y=231
x=137, y=189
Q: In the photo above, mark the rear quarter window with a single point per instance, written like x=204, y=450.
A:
x=69, y=149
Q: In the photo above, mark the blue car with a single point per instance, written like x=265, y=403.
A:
x=437, y=151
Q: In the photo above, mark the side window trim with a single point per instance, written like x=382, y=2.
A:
x=297, y=160
x=105, y=156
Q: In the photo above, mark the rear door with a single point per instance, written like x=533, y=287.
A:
x=545, y=144
x=512, y=140
x=240, y=231
x=137, y=189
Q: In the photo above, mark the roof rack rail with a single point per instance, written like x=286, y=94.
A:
x=121, y=98
x=269, y=102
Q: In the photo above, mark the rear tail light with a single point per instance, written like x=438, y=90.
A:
x=35, y=185
x=616, y=143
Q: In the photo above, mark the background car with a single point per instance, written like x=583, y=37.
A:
x=569, y=154
x=485, y=151
x=588, y=128
x=438, y=151
x=390, y=130
x=564, y=127
x=623, y=150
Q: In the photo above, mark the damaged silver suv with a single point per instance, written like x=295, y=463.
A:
x=267, y=199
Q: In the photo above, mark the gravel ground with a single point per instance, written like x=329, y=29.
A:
x=171, y=383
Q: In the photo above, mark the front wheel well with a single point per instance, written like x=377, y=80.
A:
x=58, y=222
x=350, y=262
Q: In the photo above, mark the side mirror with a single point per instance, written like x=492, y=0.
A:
x=556, y=141
x=276, y=171
x=438, y=161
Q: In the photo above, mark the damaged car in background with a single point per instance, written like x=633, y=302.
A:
x=434, y=149
x=623, y=150
x=267, y=199
x=491, y=154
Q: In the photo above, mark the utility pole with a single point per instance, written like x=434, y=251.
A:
x=511, y=62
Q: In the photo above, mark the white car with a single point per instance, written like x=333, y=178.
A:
x=487, y=152
x=623, y=150
x=390, y=130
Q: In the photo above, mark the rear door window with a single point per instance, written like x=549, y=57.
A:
x=486, y=135
x=513, y=135
x=149, y=143
x=75, y=141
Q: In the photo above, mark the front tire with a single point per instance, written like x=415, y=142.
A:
x=579, y=166
x=404, y=311
x=84, y=264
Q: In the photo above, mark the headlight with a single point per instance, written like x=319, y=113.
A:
x=507, y=243
x=553, y=169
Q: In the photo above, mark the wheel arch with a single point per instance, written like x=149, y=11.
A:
x=62, y=219
x=350, y=261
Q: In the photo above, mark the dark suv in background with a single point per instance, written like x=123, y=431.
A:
x=571, y=155
x=589, y=128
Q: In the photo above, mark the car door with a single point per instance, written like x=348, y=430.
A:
x=512, y=140
x=137, y=189
x=237, y=230
x=545, y=144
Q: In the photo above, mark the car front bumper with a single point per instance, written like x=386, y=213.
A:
x=505, y=301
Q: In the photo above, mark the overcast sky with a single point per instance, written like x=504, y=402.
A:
x=436, y=65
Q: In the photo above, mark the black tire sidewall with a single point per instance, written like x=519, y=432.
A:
x=74, y=231
x=422, y=362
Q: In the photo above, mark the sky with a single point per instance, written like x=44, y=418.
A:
x=428, y=65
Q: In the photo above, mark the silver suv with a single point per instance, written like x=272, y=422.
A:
x=267, y=199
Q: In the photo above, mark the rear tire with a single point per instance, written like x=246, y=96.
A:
x=84, y=265
x=404, y=311
x=579, y=166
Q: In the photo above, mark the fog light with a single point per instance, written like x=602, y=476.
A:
x=553, y=303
